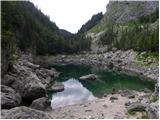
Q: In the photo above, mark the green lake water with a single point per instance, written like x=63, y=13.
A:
x=78, y=91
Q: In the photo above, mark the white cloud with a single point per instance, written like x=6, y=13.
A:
x=71, y=14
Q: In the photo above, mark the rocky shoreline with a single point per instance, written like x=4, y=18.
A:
x=125, y=61
x=24, y=88
x=111, y=106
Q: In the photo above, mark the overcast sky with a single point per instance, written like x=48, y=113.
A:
x=71, y=14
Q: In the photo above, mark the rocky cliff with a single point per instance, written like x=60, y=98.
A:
x=124, y=11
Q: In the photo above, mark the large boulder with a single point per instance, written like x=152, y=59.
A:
x=24, y=113
x=29, y=79
x=9, y=98
x=33, y=88
x=88, y=77
x=28, y=84
x=41, y=104
x=33, y=91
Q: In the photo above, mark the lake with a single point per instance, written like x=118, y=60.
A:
x=79, y=91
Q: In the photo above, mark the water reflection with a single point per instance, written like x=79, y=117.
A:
x=74, y=93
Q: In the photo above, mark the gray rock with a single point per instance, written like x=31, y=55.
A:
x=29, y=86
x=56, y=74
x=41, y=104
x=31, y=65
x=149, y=61
x=153, y=110
x=45, y=72
x=105, y=95
x=156, y=90
x=131, y=96
x=9, y=98
x=113, y=98
x=146, y=90
x=56, y=87
x=24, y=113
x=88, y=77
x=8, y=80
x=33, y=90
x=128, y=103
x=110, y=65
x=127, y=93
x=124, y=11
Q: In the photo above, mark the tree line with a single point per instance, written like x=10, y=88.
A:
x=26, y=28
x=140, y=35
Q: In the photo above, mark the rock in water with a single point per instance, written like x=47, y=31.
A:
x=128, y=93
x=41, y=104
x=88, y=77
x=9, y=98
x=24, y=113
x=56, y=87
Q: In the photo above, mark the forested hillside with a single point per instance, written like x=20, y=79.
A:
x=91, y=23
x=30, y=30
x=130, y=25
x=27, y=29
x=140, y=35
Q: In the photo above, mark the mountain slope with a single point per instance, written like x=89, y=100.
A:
x=26, y=29
x=92, y=22
x=66, y=34
x=128, y=25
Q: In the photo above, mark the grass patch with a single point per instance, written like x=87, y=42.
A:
x=145, y=117
x=97, y=28
x=147, y=58
x=132, y=111
x=153, y=98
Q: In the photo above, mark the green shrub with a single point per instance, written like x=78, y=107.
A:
x=136, y=109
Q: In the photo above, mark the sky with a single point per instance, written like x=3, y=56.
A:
x=70, y=14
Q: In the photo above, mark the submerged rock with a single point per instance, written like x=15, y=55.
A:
x=127, y=93
x=9, y=98
x=56, y=87
x=24, y=113
x=88, y=77
x=41, y=104
x=146, y=90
